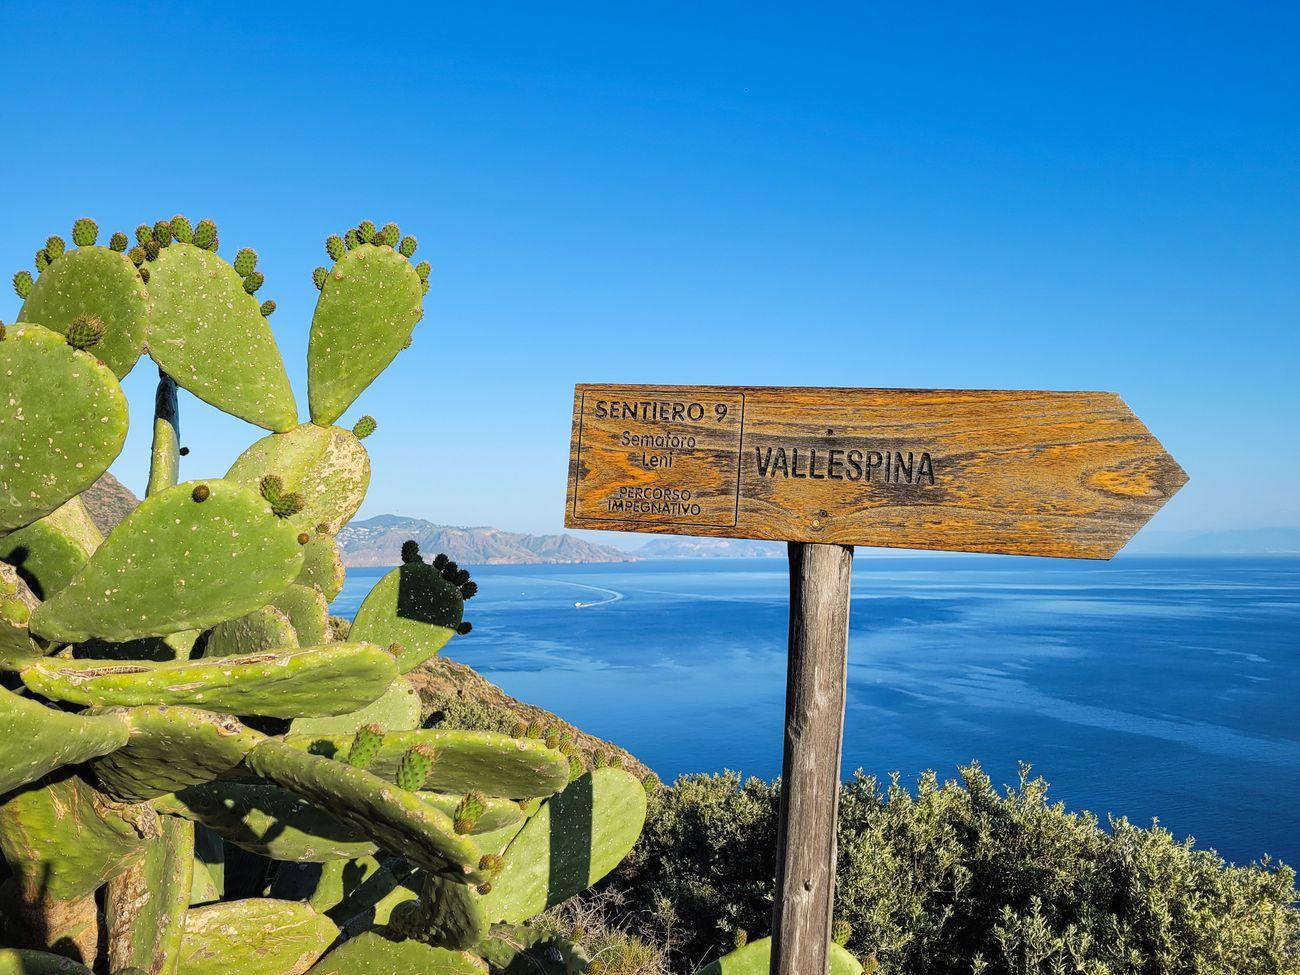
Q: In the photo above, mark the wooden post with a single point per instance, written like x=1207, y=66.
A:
x=814, y=737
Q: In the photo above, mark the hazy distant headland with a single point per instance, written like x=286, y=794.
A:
x=375, y=542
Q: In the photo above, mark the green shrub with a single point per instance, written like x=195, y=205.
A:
x=957, y=877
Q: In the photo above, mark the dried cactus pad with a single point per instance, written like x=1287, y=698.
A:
x=147, y=766
x=367, y=308
x=35, y=739
x=755, y=958
x=398, y=821
x=49, y=552
x=94, y=281
x=52, y=447
x=200, y=308
x=414, y=607
x=269, y=821
x=286, y=683
x=498, y=765
x=573, y=840
x=373, y=954
x=326, y=465
x=177, y=563
x=259, y=936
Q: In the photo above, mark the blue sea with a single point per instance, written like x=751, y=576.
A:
x=1147, y=687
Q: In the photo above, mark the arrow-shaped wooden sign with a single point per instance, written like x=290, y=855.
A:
x=1071, y=475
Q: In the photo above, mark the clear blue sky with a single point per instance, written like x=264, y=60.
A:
x=1104, y=197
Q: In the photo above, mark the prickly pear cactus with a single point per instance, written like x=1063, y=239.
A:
x=183, y=726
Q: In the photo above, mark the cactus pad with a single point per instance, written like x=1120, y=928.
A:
x=168, y=567
x=254, y=937
x=446, y=915
x=262, y=629
x=515, y=949
x=49, y=552
x=326, y=465
x=400, y=822
x=307, y=610
x=373, y=954
x=414, y=607
x=269, y=821
x=63, y=840
x=36, y=740
x=322, y=566
x=53, y=447
x=199, y=304
x=21, y=961
x=147, y=767
x=145, y=906
x=368, y=305
x=573, y=840
x=94, y=281
x=288, y=683
x=755, y=958
x=397, y=710
x=467, y=760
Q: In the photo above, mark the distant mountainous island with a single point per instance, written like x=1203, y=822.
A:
x=378, y=540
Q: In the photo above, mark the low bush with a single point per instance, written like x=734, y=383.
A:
x=958, y=877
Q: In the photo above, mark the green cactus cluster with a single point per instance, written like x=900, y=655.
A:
x=184, y=729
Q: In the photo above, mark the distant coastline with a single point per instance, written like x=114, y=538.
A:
x=376, y=541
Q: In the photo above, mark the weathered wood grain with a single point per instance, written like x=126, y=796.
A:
x=810, y=773
x=1068, y=474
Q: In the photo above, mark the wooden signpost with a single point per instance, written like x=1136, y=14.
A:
x=1071, y=475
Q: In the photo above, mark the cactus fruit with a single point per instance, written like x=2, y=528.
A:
x=100, y=282
x=181, y=229
x=267, y=308
x=85, y=331
x=327, y=466
x=254, y=937
x=85, y=232
x=23, y=284
x=253, y=283
x=365, y=745
x=841, y=931
x=245, y=262
x=118, y=242
x=415, y=766
x=368, y=305
x=205, y=235
x=366, y=231
x=64, y=422
x=755, y=958
x=407, y=246
x=166, y=568
x=200, y=301
x=364, y=427
x=468, y=812
x=55, y=247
